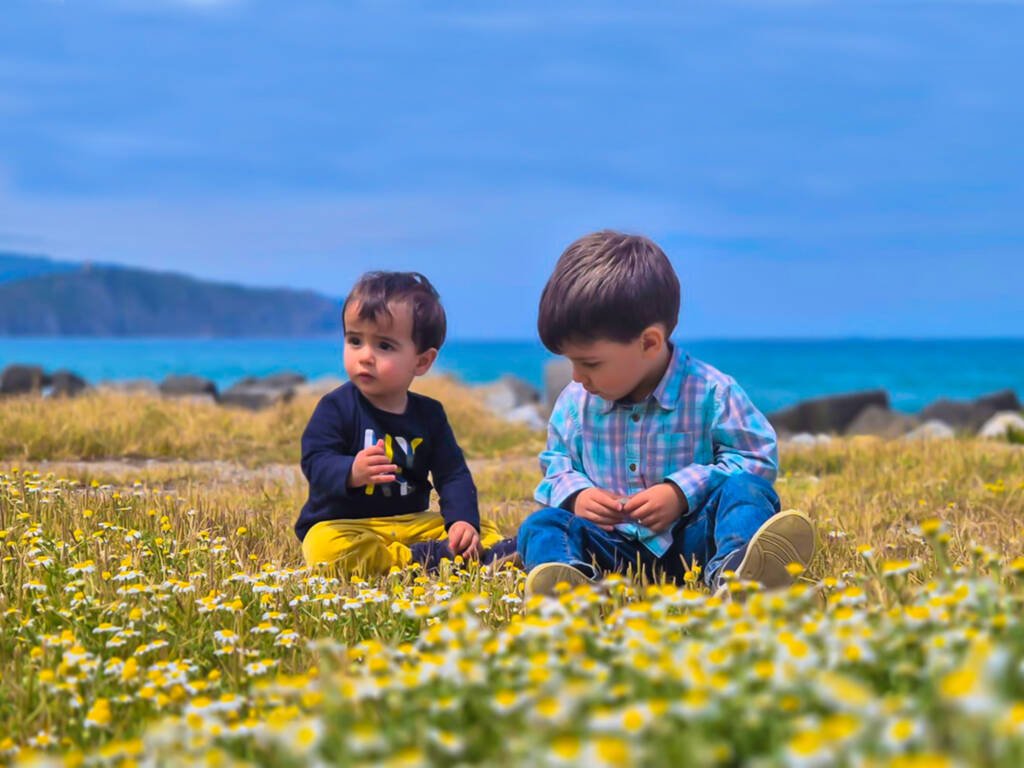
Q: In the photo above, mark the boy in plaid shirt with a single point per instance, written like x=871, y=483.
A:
x=654, y=461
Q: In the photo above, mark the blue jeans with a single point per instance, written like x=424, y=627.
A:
x=725, y=523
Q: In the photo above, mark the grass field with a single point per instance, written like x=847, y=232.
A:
x=154, y=609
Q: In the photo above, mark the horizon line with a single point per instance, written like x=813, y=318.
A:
x=510, y=339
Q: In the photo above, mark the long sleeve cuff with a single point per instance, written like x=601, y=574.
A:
x=555, y=491
x=696, y=482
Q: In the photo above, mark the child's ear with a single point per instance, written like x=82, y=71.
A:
x=652, y=339
x=424, y=360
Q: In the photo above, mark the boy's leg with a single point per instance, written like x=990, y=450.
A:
x=556, y=542
x=352, y=545
x=372, y=546
x=735, y=516
x=495, y=548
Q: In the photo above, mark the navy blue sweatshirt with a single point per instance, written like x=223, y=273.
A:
x=420, y=441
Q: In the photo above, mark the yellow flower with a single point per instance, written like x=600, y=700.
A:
x=98, y=715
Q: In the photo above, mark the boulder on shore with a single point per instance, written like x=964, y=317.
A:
x=19, y=379
x=130, y=386
x=187, y=386
x=557, y=376
x=528, y=415
x=827, y=414
x=64, y=383
x=881, y=422
x=1001, y=425
x=508, y=393
x=257, y=393
x=970, y=415
x=283, y=380
x=933, y=429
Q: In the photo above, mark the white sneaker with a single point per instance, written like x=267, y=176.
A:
x=785, y=538
x=546, y=578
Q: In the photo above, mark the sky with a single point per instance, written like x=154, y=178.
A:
x=812, y=169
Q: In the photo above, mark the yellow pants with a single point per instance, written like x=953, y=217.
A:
x=372, y=545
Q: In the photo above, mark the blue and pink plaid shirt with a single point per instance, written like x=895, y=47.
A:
x=696, y=428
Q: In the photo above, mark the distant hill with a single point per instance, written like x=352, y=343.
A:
x=115, y=301
x=16, y=266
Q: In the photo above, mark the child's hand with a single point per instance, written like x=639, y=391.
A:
x=599, y=507
x=464, y=540
x=657, y=507
x=372, y=465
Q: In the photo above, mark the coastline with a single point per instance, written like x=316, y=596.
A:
x=775, y=373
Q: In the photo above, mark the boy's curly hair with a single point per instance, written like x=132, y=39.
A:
x=375, y=290
x=608, y=285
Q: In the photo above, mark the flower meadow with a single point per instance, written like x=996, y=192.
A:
x=160, y=615
x=132, y=634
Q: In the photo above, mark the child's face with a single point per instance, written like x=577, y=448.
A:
x=616, y=370
x=380, y=355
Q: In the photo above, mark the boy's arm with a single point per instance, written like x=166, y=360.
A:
x=742, y=440
x=452, y=478
x=324, y=442
x=561, y=461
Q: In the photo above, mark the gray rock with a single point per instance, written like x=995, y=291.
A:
x=20, y=379
x=255, y=397
x=256, y=393
x=133, y=386
x=827, y=414
x=881, y=422
x=931, y=430
x=999, y=426
x=970, y=415
x=183, y=386
x=65, y=383
x=508, y=393
x=1004, y=400
x=528, y=415
x=557, y=376
x=285, y=380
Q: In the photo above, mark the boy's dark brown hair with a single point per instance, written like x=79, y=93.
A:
x=608, y=285
x=375, y=290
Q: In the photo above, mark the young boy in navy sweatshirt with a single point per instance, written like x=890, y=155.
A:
x=372, y=447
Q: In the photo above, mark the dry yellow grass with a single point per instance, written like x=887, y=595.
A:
x=105, y=425
x=109, y=552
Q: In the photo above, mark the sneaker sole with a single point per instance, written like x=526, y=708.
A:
x=785, y=538
x=544, y=579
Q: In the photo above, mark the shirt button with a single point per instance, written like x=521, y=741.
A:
x=632, y=467
x=636, y=417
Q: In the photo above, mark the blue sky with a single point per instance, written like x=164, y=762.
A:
x=812, y=169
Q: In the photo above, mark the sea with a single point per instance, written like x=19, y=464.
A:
x=775, y=373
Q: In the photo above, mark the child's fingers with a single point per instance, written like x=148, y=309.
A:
x=600, y=515
x=606, y=500
x=633, y=503
x=460, y=538
x=382, y=478
x=643, y=514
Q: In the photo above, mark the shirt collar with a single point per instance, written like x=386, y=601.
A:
x=666, y=394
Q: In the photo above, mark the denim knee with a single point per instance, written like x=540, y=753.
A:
x=745, y=486
x=549, y=517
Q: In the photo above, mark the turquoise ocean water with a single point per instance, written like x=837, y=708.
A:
x=775, y=373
